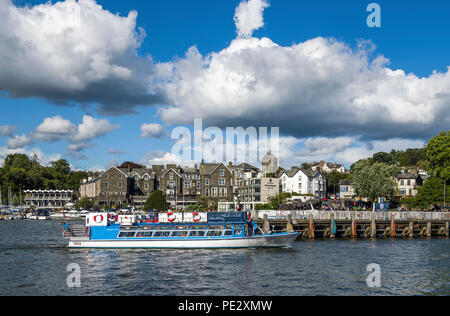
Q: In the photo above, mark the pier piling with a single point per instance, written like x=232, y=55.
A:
x=358, y=224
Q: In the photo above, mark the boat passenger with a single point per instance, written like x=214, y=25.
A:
x=249, y=227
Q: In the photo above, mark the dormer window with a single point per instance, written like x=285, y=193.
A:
x=222, y=173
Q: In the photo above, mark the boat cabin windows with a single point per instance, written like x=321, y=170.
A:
x=179, y=233
x=215, y=230
x=214, y=233
x=197, y=233
x=145, y=234
x=127, y=234
x=161, y=234
x=238, y=229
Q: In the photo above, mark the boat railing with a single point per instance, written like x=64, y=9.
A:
x=74, y=231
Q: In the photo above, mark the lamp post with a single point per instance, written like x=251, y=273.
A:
x=445, y=184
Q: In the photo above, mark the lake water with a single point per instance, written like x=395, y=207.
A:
x=34, y=258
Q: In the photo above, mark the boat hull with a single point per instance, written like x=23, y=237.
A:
x=265, y=241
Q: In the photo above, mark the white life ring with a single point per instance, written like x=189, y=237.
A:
x=96, y=219
x=197, y=217
x=171, y=217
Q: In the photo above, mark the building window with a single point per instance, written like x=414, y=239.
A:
x=187, y=184
x=222, y=173
x=171, y=176
x=188, y=176
x=146, y=178
x=207, y=192
x=199, y=185
x=222, y=181
x=120, y=184
x=206, y=181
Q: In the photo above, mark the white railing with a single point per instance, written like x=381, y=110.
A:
x=342, y=215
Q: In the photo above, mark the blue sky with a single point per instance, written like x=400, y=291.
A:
x=413, y=37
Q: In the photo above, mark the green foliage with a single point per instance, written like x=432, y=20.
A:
x=383, y=158
x=84, y=203
x=263, y=207
x=22, y=173
x=374, y=179
x=431, y=192
x=156, y=201
x=333, y=179
x=278, y=200
x=438, y=156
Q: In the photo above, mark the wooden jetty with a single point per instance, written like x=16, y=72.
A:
x=324, y=224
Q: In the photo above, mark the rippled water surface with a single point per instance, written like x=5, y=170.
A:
x=34, y=258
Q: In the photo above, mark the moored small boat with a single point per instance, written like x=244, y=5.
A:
x=212, y=230
x=40, y=215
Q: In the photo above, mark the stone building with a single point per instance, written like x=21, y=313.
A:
x=252, y=192
x=269, y=164
x=217, y=183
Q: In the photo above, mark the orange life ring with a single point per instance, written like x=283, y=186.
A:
x=196, y=216
x=171, y=217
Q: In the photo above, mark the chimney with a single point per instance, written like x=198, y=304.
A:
x=230, y=164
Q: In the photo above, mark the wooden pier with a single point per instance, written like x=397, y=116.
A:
x=315, y=224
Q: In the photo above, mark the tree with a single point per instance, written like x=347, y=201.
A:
x=383, y=158
x=278, y=200
x=333, y=179
x=438, y=156
x=156, y=201
x=431, y=192
x=374, y=180
x=84, y=203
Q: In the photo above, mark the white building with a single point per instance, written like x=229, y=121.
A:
x=346, y=189
x=328, y=167
x=303, y=181
x=53, y=199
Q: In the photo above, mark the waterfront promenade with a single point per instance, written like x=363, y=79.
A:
x=323, y=224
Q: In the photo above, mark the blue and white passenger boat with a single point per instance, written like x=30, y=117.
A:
x=178, y=231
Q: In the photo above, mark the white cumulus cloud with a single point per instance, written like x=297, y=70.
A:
x=318, y=88
x=153, y=130
x=249, y=16
x=74, y=52
x=19, y=141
